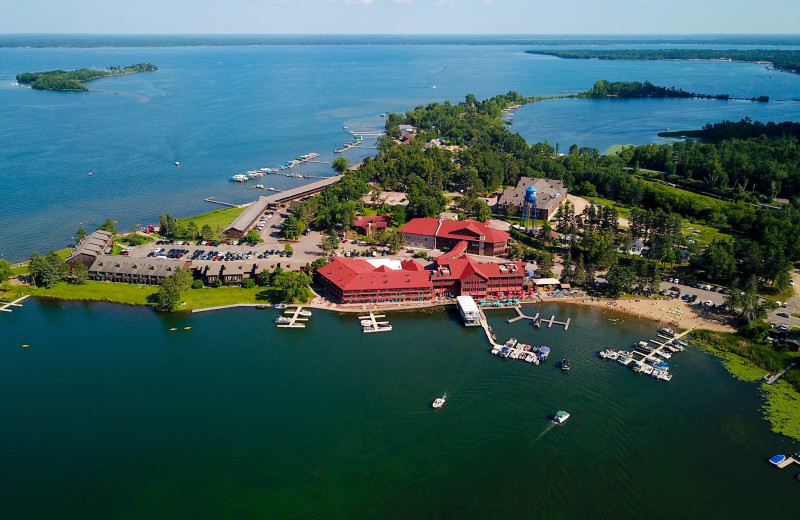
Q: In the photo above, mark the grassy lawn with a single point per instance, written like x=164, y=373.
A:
x=138, y=294
x=219, y=218
x=99, y=291
x=706, y=235
x=214, y=297
x=615, y=149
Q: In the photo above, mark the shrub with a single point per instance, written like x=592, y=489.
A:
x=197, y=284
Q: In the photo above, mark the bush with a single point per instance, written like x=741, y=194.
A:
x=217, y=283
x=197, y=284
x=248, y=283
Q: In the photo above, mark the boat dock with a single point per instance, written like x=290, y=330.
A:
x=522, y=316
x=295, y=321
x=778, y=376
x=5, y=306
x=651, y=363
x=791, y=459
x=212, y=201
x=374, y=325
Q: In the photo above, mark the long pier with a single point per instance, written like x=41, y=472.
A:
x=550, y=322
x=295, y=321
x=5, y=306
x=212, y=201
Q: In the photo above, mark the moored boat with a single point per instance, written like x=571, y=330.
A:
x=544, y=351
x=565, y=364
x=666, y=331
x=439, y=401
x=777, y=459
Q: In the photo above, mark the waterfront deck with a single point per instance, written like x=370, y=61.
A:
x=5, y=306
x=295, y=321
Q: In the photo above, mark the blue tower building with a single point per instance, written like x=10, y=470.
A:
x=528, y=220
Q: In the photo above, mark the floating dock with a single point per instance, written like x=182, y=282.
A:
x=295, y=320
x=213, y=201
x=550, y=322
x=374, y=325
x=5, y=306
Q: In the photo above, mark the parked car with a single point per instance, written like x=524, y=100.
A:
x=783, y=314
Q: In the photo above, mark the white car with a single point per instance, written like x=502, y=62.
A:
x=784, y=326
x=791, y=282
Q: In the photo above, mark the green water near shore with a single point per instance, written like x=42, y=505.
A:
x=109, y=414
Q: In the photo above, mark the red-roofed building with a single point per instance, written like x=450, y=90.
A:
x=354, y=280
x=368, y=225
x=432, y=233
x=457, y=274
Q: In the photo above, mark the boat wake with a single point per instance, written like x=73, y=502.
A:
x=547, y=429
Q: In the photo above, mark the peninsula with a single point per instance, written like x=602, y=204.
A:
x=73, y=80
x=788, y=61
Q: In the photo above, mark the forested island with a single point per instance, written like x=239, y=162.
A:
x=73, y=80
x=788, y=61
x=634, y=89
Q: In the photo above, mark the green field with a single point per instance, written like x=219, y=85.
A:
x=615, y=149
x=217, y=219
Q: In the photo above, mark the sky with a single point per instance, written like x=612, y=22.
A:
x=533, y=17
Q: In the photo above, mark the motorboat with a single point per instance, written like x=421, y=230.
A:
x=666, y=331
x=543, y=353
x=305, y=313
x=777, y=459
x=565, y=364
x=560, y=416
x=282, y=320
x=439, y=401
x=280, y=305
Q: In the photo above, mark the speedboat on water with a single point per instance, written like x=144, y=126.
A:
x=439, y=401
x=565, y=364
x=560, y=416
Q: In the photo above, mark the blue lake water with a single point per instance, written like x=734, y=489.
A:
x=224, y=110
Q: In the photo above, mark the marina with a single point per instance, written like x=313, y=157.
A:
x=652, y=359
x=536, y=319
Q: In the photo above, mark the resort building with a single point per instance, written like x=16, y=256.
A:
x=456, y=274
x=368, y=225
x=248, y=218
x=144, y=271
x=355, y=280
x=229, y=274
x=550, y=194
x=88, y=249
x=431, y=233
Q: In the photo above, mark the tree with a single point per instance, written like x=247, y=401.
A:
x=5, y=270
x=292, y=285
x=264, y=278
x=340, y=164
x=329, y=243
x=80, y=235
x=396, y=242
x=191, y=230
x=620, y=279
x=288, y=247
x=747, y=301
x=481, y=211
x=109, y=226
x=253, y=237
x=80, y=273
x=290, y=229
x=48, y=270
x=206, y=232
x=167, y=297
x=181, y=278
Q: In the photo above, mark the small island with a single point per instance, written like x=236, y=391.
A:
x=785, y=60
x=73, y=80
x=634, y=89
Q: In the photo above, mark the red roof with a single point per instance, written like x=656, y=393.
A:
x=377, y=221
x=456, y=229
x=355, y=274
x=464, y=266
x=458, y=251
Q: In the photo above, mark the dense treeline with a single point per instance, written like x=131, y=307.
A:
x=781, y=59
x=743, y=129
x=73, y=79
x=634, y=89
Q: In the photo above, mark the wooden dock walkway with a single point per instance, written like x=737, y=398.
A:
x=779, y=374
x=791, y=459
x=5, y=306
x=652, y=356
x=374, y=326
x=522, y=316
x=295, y=321
x=212, y=201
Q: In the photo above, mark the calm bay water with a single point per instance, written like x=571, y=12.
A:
x=235, y=418
x=224, y=110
